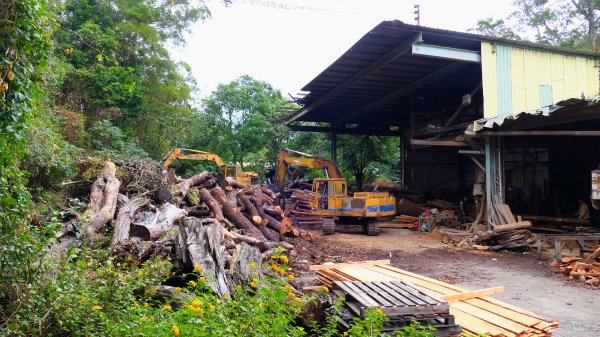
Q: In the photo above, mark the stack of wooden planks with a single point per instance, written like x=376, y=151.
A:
x=583, y=269
x=474, y=311
x=400, y=301
x=401, y=221
x=505, y=239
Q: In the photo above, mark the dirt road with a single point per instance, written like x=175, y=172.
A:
x=528, y=282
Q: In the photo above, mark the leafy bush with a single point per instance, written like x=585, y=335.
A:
x=104, y=137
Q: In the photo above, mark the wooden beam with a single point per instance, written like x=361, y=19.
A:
x=347, y=131
x=515, y=225
x=407, y=89
x=386, y=58
x=429, y=142
x=525, y=133
x=342, y=265
x=472, y=294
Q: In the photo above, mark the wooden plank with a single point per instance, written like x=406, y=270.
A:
x=476, y=326
x=474, y=293
x=510, y=217
x=491, y=318
x=367, y=289
x=341, y=265
x=514, y=225
x=352, y=291
x=402, y=295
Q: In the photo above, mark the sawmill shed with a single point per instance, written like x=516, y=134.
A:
x=520, y=116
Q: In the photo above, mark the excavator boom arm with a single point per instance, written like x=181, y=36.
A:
x=310, y=161
x=187, y=154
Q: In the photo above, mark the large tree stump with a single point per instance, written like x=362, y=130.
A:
x=124, y=219
x=240, y=265
x=151, y=225
x=103, y=199
x=199, y=243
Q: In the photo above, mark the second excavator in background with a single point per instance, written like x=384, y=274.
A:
x=230, y=171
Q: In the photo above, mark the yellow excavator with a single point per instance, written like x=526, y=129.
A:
x=233, y=171
x=329, y=197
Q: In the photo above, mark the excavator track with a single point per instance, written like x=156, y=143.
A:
x=373, y=228
x=328, y=226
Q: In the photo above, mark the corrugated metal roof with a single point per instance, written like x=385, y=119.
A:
x=434, y=97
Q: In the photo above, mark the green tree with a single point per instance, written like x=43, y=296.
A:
x=241, y=121
x=497, y=28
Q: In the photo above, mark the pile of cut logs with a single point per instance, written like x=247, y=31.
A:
x=207, y=220
x=502, y=237
x=299, y=210
x=582, y=269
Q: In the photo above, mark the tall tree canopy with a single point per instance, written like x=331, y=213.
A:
x=572, y=23
x=241, y=121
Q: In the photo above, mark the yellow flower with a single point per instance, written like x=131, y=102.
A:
x=345, y=333
x=253, y=284
x=252, y=265
x=225, y=297
x=197, y=310
x=96, y=307
x=298, y=299
x=196, y=303
x=378, y=310
x=285, y=259
x=275, y=266
x=291, y=277
x=197, y=268
x=83, y=299
x=175, y=330
x=201, y=279
x=325, y=289
x=192, y=283
x=211, y=307
x=146, y=304
x=288, y=288
x=178, y=289
x=291, y=295
x=167, y=307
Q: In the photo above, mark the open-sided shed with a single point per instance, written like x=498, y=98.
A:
x=430, y=85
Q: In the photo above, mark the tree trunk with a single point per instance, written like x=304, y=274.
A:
x=275, y=225
x=240, y=270
x=152, y=226
x=233, y=214
x=103, y=199
x=184, y=186
x=212, y=204
x=250, y=208
x=124, y=219
x=199, y=243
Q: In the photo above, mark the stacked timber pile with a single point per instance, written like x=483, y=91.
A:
x=208, y=221
x=401, y=221
x=585, y=270
x=396, y=190
x=501, y=237
x=474, y=311
x=299, y=211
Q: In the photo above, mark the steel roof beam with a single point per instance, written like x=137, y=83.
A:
x=446, y=53
x=347, y=131
x=423, y=81
x=388, y=57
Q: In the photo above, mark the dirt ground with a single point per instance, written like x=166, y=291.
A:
x=528, y=282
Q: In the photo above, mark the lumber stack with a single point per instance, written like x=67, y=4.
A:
x=585, y=270
x=299, y=211
x=506, y=238
x=476, y=313
x=401, y=221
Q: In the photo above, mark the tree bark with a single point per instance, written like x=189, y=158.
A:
x=240, y=270
x=250, y=208
x=232, y=213
x=275, y=225
x=152, y=226
x=103, y=199
x=185, y=185
x=199, y=243
x=124, y=219
x=212, y=204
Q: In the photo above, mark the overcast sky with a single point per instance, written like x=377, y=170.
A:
x=288, y=42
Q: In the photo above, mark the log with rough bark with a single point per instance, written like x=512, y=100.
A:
x=199, y=244
x=233, y=183
x=275, y=225
x=212, y=204
x=244, y=263
x=262, y=245
x=184, y=186
x=151, y=225
x=162, y=195
x=103, y=199
x=232, y=213
x=250, y=208
x=124, y=219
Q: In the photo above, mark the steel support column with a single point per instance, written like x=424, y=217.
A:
x=333, y=146
x=490, y=178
